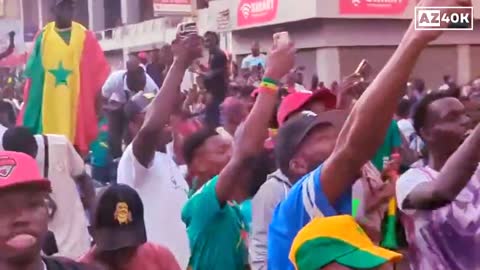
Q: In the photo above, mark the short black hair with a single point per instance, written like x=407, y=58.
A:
x=213, y=34
x=421, y=109
x=20, y=139
x=403, y=108
x=195, y=141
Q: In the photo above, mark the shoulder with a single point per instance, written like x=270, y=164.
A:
x=272, y=191
x=79, y=26
x=116, y=74
x=414, y=173
x=408, y=182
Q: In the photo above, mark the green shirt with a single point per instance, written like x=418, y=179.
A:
x=217, y=234
x=99, y=147
x=392, y=140
x=246, y=210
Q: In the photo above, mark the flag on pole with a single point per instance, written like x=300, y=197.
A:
x=63, y=82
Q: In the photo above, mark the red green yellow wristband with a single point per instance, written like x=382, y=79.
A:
x=268, y=80
x=269, y=84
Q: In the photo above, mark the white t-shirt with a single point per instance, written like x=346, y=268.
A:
x=3, y=129
x=116, y=85
x=445, y=238
x=164, y=192
x=69, y=223
x=252, y=61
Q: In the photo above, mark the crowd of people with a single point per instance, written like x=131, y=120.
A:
x=180, y=163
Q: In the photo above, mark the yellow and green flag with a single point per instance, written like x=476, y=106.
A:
x=65, y=72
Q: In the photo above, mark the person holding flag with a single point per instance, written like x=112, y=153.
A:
x=65, y=73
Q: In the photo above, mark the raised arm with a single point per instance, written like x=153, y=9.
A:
x=452, y=178
x=158, y=115
x=11, y=46
x=366, y=127
x=250, y=139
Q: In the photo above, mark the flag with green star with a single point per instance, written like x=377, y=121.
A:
x=63, y=80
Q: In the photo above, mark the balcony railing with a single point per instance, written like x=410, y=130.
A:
x=146, y=33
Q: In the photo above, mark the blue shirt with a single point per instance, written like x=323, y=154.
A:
x=253, y=61
x=304, y=201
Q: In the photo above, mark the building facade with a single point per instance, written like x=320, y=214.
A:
x=334, y=36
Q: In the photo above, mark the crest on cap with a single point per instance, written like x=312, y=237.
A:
x=122, y=214
x=7, y=164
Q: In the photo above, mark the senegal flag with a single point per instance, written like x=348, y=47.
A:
x=65, y=74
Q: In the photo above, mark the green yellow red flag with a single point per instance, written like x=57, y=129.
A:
x=64, y=77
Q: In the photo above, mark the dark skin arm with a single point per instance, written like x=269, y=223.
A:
x=11, y=46
x=250, y=139
x=115, y=120
x=166, y=101
x=375, y=109
x=453, y=177
x=85, y=184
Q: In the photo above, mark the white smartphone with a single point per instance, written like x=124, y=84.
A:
x=281, y=39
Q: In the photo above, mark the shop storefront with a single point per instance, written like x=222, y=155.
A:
x=333, y=36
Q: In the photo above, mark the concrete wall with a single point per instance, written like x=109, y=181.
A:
x=12, y=9
x=433, y=63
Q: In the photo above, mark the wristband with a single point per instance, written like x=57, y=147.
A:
x=268, y=80
x=269, y=86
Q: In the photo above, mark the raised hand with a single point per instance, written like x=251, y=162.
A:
x=280, y=61
x=187, y=50
x=427, y=36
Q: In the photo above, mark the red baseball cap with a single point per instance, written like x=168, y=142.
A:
x=295, y=101
x=19, y=169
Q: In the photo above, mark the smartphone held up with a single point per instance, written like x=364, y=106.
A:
x=281, y=39
x=363, y=70
x=187, y=28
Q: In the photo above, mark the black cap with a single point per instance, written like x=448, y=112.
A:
x=296, y=129
x=118, y=221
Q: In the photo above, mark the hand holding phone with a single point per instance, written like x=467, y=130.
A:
x=187, y=28
x=281, y=39
x=363, y=70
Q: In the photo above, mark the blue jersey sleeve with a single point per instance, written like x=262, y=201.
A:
x=304, y=201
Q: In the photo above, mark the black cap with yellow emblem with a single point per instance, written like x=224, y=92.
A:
x=118, y=221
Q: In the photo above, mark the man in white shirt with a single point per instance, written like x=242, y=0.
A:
x=147, y=168
x=63, y=166
x=118, y=89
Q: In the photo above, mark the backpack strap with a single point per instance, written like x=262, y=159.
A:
x=46, y=160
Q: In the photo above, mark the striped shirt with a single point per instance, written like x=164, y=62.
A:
x=305, y=201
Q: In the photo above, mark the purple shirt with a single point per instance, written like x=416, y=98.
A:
x=447, y=238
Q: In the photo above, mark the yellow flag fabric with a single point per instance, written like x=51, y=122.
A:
x=61, y=62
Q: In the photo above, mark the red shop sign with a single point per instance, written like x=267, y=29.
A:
x=378, y=7
x=256, y=11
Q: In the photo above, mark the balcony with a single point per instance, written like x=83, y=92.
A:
x=147, y=33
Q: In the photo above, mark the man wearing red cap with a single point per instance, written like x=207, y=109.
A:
x=24, y=215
